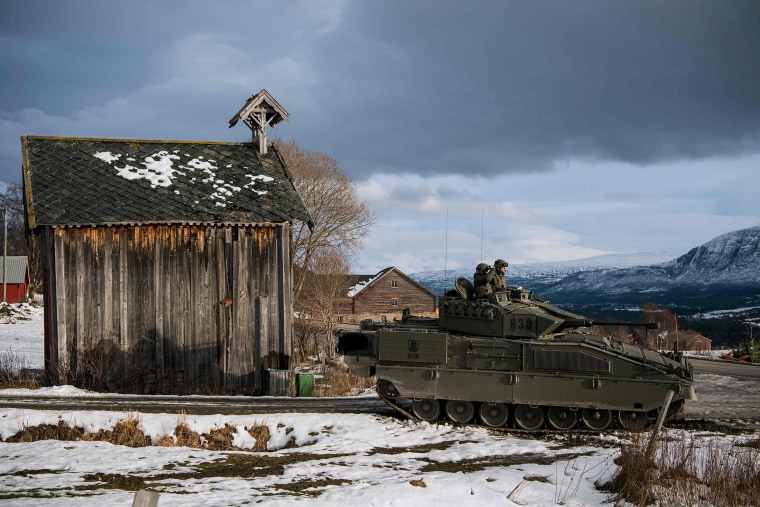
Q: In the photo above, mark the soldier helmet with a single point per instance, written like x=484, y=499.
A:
x=482, y=268
x=499, y=263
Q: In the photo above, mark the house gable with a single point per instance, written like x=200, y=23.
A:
x=388, y=293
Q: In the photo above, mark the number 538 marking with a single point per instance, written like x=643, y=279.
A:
x=521, y=323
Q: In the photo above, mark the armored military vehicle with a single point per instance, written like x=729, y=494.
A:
x=512, y=359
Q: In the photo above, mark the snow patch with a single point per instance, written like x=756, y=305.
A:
x=163, y=168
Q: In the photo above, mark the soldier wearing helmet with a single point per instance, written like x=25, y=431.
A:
x=483, y=280
x=499, y=279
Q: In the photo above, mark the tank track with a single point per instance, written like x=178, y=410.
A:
x=673, y=412
x=391, y=402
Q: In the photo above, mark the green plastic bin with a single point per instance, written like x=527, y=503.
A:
x=305, y=383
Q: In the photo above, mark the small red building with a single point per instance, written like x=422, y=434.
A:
x=695, y=342
x=16, y=288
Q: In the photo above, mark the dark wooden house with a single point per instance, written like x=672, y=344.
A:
x=693, y=342
x=384, y=296
x=14, y=279
x=167, y=263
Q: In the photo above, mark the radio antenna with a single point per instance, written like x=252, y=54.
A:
x=446, y=251
x=482, y=214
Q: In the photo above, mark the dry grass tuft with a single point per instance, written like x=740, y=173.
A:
x=15, y=372
x=261, y=433
x=685, y=473
x=61, y=431
x=732, y=475
x=125, y=432
x=339, y=380
x=128, y=432
x=220, y=439
x=183, y=437
x=186, y=437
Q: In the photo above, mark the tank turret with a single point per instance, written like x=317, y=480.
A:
x=512, y=313
x=511, y=359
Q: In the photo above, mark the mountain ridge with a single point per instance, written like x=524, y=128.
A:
x=721, y=274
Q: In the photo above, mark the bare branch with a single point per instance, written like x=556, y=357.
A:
x=340, y=220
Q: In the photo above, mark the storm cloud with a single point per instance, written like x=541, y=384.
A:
x=493, y=87
x=425, y=87
x=529, y=130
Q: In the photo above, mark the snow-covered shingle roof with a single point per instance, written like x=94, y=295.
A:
x=76, y=181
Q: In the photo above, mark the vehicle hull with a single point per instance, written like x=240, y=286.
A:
x=518, y=356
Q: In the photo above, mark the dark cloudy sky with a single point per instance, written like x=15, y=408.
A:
x=563, y=129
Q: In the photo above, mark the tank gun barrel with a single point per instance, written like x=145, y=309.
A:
x=645, y=325
x=583, y=322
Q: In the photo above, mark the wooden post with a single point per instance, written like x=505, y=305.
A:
x=658, y=425
x=5, y=252
x=145, y=498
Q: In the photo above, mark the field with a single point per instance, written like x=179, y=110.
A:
x=63, y=458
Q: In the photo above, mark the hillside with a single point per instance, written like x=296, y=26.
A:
x=718, y=278
x=732, y=259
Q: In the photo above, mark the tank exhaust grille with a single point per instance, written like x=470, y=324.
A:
x=569, y=361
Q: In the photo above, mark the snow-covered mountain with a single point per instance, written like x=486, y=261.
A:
x=732, y=259
x=722, y=273
x=544, y=273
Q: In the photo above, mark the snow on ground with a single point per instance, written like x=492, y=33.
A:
x=368, y=460
x=22, y=332
x=361, y=459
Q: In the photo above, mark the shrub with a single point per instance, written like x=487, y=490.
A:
x=15, y=372
x=687, y=472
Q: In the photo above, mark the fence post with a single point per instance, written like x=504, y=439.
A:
x=660, y=419
x=145, y=498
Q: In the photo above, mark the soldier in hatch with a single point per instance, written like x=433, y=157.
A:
x=483, y=280
x=499, y=280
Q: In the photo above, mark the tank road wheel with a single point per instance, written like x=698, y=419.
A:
x=529, y=418
x=596, y=419
x=459, y=411
x=494, y=415
x=633, y=421
x=387, y=389
x=427, y=410
x=561, y=418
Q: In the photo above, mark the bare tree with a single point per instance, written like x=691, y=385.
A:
x=12, y=202
x=667, y=334
x=340, y=220
x=324, y=284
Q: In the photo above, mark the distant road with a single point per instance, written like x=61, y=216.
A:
x=726, y=391
x=726, y=368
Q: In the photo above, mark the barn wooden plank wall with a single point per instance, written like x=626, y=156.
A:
x=188, y=308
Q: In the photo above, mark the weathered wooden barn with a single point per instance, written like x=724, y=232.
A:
x=14, y=279
x=167, y=263
x=384, y=296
